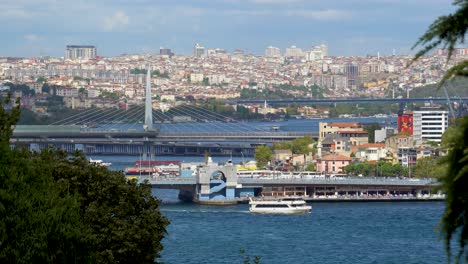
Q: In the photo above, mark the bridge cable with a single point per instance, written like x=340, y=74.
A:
x=225, y=126
x=244, y=127
x=82, y=119
x=135, y=111
x=176, y=111
x=78, y=115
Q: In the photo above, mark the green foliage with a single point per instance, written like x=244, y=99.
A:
x=448, y=31
x=455, y=185
x=371, y=131
x=263, y=94
x=138, y=71
x=457, y=87
x=23, y=88
x=8, y=119
x=297, y=146
x=110, y=95
x=153, y=73
x=429, y=167
x=380, y=169
x=310, y=167
x=262, y=155
x=57, y=209
x=41, y=79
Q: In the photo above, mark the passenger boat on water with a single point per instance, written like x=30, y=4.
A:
x=286, y=205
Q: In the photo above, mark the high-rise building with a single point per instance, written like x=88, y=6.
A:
x=317, y=53
x=294, y=52
x=83, y=52
x=272, y=52
x=199, y=51
x=216, y=51
x=166, y=51
x=352, y=73
x=429, y=124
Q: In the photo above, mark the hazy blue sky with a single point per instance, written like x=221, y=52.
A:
x=349, y=27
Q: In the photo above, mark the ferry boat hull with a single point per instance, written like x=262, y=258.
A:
x=280, y=206
x=306, y=209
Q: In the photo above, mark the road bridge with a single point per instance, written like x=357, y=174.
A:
x=350, y=100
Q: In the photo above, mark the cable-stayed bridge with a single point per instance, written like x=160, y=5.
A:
x=185, y=129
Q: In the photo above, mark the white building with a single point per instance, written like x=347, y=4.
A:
x=272, y=52
x=199, y=51
x=75, y=52
x=293, y=51
x=429, y=125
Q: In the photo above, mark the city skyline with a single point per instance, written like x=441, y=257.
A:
x=364, y=27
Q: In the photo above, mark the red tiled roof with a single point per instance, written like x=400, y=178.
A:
x=336, y=157
x=372, y=145
x=345, y=124
x=351, y=132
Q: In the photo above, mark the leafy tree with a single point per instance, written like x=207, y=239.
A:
x=297, y=146
x=41, y=79
x=449, y=31
x=371, y=131
x=263, y=154
x=60, y=209
x=455, y=185
x=310, y=167
x=429, y=167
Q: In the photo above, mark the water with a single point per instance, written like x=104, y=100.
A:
x=333, y=233
x=381, y=232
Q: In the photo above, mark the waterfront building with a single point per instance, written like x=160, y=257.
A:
x=83, y=52
x=199, y=51
x=332, y=163
x=335, y=127
x=407, y=156
x=429, y=125
x=271, y=51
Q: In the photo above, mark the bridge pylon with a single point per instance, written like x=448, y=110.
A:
x=148, y=103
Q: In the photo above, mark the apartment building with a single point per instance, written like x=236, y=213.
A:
x=429, y=125
x=75, y=52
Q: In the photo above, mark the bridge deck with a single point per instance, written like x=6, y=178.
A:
x=248, y=182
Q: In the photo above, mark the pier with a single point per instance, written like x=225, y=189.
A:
x=214, y=184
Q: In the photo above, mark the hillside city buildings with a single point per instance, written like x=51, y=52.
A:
x=85, y=80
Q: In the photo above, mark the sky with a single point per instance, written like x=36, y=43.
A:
x=33, y=28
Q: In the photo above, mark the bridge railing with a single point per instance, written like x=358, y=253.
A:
x=235, y=134
x=339, y=181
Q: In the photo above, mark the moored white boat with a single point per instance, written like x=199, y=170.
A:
x=287, y=205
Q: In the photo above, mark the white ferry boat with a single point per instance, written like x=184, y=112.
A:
x=287, y=205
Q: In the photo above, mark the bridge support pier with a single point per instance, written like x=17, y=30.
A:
x=216, y=185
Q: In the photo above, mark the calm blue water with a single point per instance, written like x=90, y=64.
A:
x=381, y=232
x=332, y=233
